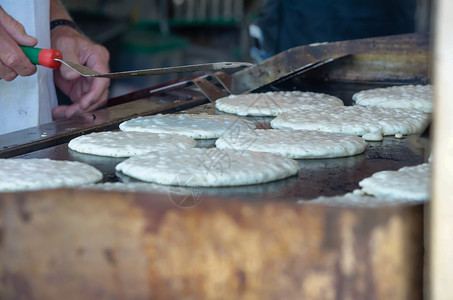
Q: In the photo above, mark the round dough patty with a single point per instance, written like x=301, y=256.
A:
x=411, y=183
x=36, y=174
x=357, y=120
x=418, y=97
x=208, y=167
x=357, y=199
x=197, y=126
x=273, y=103
x=125, y=144
x=295, y=143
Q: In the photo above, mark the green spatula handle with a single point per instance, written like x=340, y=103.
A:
x=43, y=57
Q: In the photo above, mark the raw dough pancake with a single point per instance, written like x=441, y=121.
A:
x=197, y=126
x=125, y=144
x=357, y=120
x=295, y=143
x=412, y=183
x=273, y=103
x=418, y=97
x=208, y=167
x=36, y=174
x=357, y=199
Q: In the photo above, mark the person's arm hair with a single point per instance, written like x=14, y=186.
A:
x=87, y=94
x=58, y=11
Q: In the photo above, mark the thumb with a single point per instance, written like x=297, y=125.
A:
x=16, y=30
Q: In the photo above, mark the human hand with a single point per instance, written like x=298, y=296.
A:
x=86, y=93
x=13, y=61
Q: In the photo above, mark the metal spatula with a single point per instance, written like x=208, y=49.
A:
x=53, y=58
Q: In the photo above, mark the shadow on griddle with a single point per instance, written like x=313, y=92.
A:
x=261, y=122
x=205, y=143
x=105, y=164
x=255, y=192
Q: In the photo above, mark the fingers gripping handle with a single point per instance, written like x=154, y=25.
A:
x=43, y=57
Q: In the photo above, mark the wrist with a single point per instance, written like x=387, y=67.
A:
x=64, y=22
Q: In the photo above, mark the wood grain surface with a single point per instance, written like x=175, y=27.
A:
x=76, y=244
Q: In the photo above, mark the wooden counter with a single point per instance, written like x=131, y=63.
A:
x=81, y=244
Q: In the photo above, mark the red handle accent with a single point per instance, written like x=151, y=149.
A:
x=47, y=58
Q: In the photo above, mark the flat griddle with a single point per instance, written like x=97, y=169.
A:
x=317, y=177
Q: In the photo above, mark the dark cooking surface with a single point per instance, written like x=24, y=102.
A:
x=316, y=177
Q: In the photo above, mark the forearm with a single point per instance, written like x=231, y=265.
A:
x=58, y=11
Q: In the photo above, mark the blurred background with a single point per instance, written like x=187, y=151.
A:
x=158, y=33
x=144, y=34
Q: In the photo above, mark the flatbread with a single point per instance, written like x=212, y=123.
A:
x=295, y=143
x=208, y=167
x=357, y=120
x=411, y=183
x=418, y=97
x=273, y=103
x=37, y=174
x=197, y=126
x=357, y=199
x=125, y=144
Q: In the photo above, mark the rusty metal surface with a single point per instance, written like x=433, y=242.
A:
x=87, y=72
x=210, y=89
x=391, y=58
x=145, y=102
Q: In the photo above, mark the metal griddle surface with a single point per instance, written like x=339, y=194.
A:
x=317, y=177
